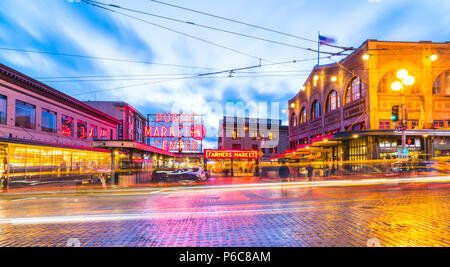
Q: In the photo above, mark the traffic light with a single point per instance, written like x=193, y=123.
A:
x=395, y=113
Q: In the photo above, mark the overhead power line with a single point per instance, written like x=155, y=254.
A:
x=211, y=28
x=172, y=30
x=250, y=25
x=103, y=58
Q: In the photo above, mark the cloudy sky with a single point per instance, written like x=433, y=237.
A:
x=119, y=51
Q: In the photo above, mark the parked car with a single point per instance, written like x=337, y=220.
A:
x=195, y=174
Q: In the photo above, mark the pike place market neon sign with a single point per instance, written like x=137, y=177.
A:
x=182, y=127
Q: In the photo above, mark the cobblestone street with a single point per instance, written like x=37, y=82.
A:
x=399, y=214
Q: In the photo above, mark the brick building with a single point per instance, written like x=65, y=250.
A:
x=346, y=107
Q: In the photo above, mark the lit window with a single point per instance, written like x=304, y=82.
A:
x=82, y=130
x=442, y=84
x=303, y=116
x=25, y=115
x=332, y=101
x=48, y=121
x=3, y=108
x=315, y=110
x=67, y=126
x=439, y=124
x=294, y=120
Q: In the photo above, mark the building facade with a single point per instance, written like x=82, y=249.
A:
x=268, y=136
x=132, y=123
x=349, y=104
x=45, y=134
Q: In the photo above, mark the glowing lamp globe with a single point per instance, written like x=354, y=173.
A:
x=409, y=80
x=401, y=74
x=397, y=86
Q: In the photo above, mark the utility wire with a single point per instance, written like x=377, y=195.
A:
x=102, y=58
x=250, y=25
x=172, y=30
x=210, y=28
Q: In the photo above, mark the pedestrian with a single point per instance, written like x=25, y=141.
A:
x=310, y=170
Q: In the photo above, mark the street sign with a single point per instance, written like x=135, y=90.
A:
x=260, y=154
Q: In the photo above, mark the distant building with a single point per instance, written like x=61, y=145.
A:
x=268, y=136
x=132, y=123
x=346, y=108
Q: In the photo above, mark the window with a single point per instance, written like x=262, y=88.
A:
x=236, y=147
x=48, y=121
x=315, y=110
x=103, y=134
x=385, y=124
x=303, y=116
x=3, y=108
x=332, y=101
x=441, y=85
x=81, y=129
x=25, y=115
x=67, y=126
x=355, y=91
x=294, y=120
x=414, y=124
x=439, y=124
x=93, y=132
x=385, y=85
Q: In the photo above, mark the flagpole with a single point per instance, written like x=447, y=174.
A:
x=318, y=50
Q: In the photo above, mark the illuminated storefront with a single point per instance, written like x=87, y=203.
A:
x=241, y=162
x=23, y=162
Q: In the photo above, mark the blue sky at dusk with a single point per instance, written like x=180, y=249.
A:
x=70, y=27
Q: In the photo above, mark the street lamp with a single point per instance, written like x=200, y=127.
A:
x=406, y=80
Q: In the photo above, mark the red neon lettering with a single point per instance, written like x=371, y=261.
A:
x=148, y=131
x=194, y=146
x=175, y=118
x=91, y=132
x=167, y=118
x=156, y=134
x=165, y=145
x=172, y=132
x=187, y=131
x=159, y=117
x=173, y=145
x=163, y=131
x=187, y=145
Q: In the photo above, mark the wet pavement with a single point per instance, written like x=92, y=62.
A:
x=239, y=213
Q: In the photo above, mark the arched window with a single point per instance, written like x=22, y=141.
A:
x=315, y=110
x=441, y=85
x=303, y=116
x=355, y=90
x=332, y=102
x=294, y=120
x=385, y=85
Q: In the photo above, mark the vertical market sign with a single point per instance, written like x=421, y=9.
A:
x=176, y=132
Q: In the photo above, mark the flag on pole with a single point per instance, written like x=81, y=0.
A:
x=326, y=40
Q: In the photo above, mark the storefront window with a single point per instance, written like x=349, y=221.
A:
x=81, y=129
x=67, y=126
x=48, y=121
x=103, y=134
x=25, y=115
x=3, y=108
x=93, y=132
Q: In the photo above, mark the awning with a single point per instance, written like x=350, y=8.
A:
x=138, y=147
